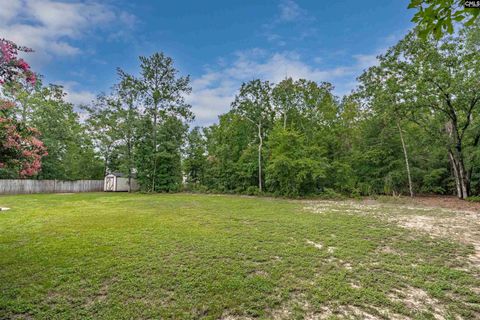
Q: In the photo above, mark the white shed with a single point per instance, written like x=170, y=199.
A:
x=118, y=182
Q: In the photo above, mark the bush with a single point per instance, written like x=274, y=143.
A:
x=329, y=193
x=474, y=199
x=252, y=191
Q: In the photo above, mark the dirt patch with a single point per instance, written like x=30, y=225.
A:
x=356, y=312
x=355, y=285
x=463, y=227
x=258, y=273
x=281, y=313
x=232, y=317
x=447, y=203
x=353, y=312
x=446, y=217
x=329, y=311
x=385, y=249
x=316, y=245
x=418, y=300
x=101, y=295
x=22, y=316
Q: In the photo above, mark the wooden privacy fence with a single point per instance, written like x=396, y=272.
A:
x=17, y=186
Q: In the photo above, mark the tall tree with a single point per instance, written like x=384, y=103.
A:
x=164, y=96
x=380, y=93
x=127, y=118
x=102, y=126
x=285, y=99
x=437, y=87
x=253, y=103
x=21, y=151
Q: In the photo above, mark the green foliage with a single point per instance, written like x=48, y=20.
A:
x=195, y=163
x=410, y=115
x=474, y=199
x=71, y=153
x=168, y=173
x=433, y=181
x=140, y=128
x=433, y=85
x=166, y=114
x=295, y=168
x=437, y=17
x=411, y=126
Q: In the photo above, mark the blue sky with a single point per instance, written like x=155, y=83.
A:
x=219, y=43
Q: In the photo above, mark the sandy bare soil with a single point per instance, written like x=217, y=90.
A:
x=447, y=217
x=446, y=202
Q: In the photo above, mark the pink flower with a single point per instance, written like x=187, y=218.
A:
x=7, y=51
x=27, y=153
x=22, y=64
x=35, y=142
x=33, y=130
x=31, y=78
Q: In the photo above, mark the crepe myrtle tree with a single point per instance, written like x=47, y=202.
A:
x=21, y=150
x=253, y=104
x=13, y=68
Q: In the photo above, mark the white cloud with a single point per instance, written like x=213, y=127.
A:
x=80, y=97
x=50, y=27
x=75, y=95
x=290, y=11
x=366, y=60
x=214, y=91
x=9, y=10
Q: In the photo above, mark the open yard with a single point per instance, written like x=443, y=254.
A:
x=181, y=256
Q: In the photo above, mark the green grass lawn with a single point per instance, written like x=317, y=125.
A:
x=181, y=256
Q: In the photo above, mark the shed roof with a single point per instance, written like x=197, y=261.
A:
x=116, y=174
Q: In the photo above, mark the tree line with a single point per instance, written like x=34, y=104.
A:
x=411, y=126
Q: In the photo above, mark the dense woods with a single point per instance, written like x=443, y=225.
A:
x=410, y=127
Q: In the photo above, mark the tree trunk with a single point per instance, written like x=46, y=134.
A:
x=154, y=146
x=129, y=180
x=407, y=164
x=129, y=152
x=106, y=162
x=461, y=180
x=464, y=183
x=260, y=144
x=105, y=166
x=129, y=147
x=284, y=120
x=456, y=159
x=455, y=174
